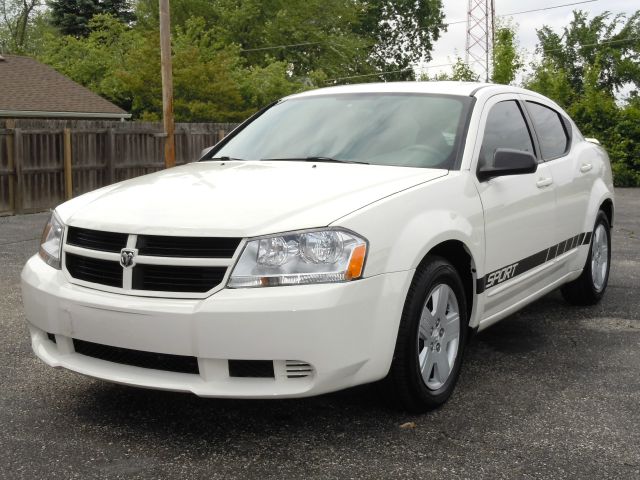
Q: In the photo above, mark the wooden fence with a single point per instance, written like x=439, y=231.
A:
x=45, y=162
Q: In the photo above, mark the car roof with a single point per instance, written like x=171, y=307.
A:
x=435, y=87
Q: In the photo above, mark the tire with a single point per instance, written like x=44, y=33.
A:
x=590, y=286
x=432, y=343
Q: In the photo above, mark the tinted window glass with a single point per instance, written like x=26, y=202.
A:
x=505, y=128
x=551, y=133
x=411, y=130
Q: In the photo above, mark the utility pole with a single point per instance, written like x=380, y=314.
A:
x=480, y=36
x=167, y=85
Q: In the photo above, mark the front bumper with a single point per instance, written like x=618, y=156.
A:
x=346, y=332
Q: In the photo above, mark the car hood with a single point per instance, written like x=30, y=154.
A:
x=239, y=198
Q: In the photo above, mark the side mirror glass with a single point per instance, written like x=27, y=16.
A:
x=507, y=161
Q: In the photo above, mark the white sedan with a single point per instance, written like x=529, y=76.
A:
x=338, y=237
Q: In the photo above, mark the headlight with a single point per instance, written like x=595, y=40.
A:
x=300, y=258
x=51, y=243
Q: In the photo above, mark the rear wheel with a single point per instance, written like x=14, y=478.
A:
x=431, y=338
x=590, y=286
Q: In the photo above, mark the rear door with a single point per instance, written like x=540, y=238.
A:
x=519, y=210
x=573, y=176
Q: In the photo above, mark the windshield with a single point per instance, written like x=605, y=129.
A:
x=411, y=130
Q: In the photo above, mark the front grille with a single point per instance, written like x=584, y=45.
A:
x=251, y=368
x=198, y=247
x=94, y=270
x=137, y=358
x=191, y=265
x=169, y=278
x=96, y=239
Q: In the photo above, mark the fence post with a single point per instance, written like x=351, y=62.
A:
x=17, y=165
x=221, y=135
x=111, y=156
x=68, y=173
x=10, y=125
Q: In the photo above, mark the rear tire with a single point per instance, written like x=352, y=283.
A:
x=590, y=286
x=431, y=338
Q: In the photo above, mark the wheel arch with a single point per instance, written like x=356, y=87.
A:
x=607, y=208
x=459, y=255
x=601, y=197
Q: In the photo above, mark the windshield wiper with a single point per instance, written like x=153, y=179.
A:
x=224, y=159
x=311, y=159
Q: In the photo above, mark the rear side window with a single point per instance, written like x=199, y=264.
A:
x=505, y=128
x=552, y=135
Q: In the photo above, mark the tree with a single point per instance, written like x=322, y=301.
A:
x=460, y=71
x=403, y=33
x=625, y=150
x=72, y=17
x=582, y=69
x=614, y=40
x=507, y=61
x=315, y=39
x=325, y=39
x=211, y=80
x=231, y=57
x=551, y=81
x=16, y=16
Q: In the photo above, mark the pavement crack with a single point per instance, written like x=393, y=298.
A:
x=19, y=241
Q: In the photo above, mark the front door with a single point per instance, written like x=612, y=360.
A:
x=519, y=211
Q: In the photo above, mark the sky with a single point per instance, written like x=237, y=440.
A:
x=452, y=43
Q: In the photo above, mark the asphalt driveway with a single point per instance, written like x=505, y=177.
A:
x=551, y=392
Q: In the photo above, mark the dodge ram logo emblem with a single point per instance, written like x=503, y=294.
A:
x=127, y=257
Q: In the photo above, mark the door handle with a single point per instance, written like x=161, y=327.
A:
x=586, y=167
x=544, y=182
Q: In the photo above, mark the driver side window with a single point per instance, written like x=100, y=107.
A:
x=505, y=128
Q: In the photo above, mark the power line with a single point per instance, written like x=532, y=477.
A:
x=596, y=44
x=547, y=8
x=275, y=47
x=389, y=72
x=456, y=22
x=426, y=67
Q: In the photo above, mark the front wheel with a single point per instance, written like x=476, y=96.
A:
x=589, y=287
x=431, y=338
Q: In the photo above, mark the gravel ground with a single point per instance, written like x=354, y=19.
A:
x=551, y=392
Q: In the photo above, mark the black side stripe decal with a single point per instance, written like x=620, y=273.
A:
x=503, y=274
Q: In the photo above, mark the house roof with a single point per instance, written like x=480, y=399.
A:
x=29, y=88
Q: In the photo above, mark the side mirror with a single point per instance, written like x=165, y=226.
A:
x=509, y=162
x=205, y=151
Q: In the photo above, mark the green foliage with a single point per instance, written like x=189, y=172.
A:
x=211, y=81
x=582, y=70
x=552, y=82
x=612, y=40
x=338, y=38
x=460, y=71
x=507, y=61
x=72, y=17
x=231, y=57
x=403, y=32
x=625, y=147
x=16, y=18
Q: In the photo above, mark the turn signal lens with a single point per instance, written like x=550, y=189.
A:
x=356, y=264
